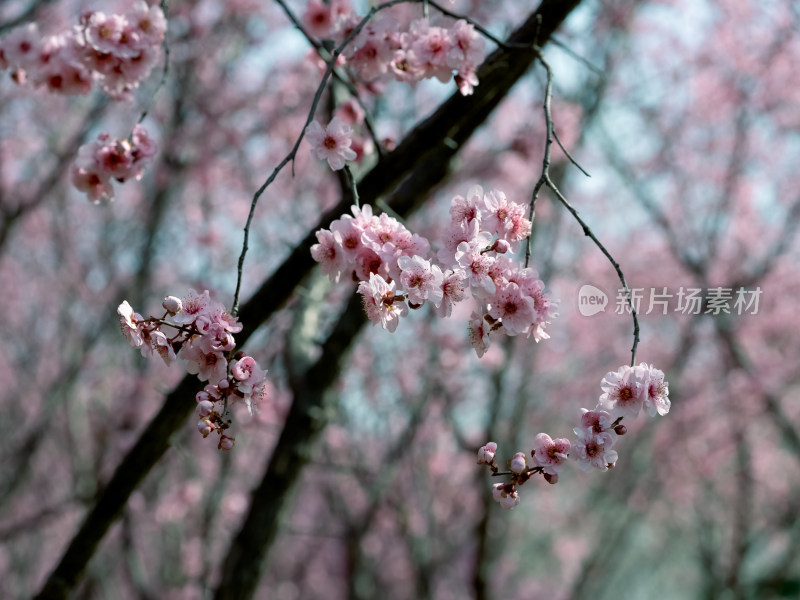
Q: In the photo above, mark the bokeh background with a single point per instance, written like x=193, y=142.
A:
x=686, y=114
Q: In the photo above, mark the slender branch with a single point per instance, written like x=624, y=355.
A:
x=568, y=155
x=325, y=55
x=592, y=67
x=293, y=152
x=545, y=180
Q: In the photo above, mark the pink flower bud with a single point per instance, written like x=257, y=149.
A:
x=205, y=408
x=205, y=427
x=501, y=246
x=519, y=463
x=486, y=454
x=172, y=305
x=202, y=396
x=497, y=491
x=551, y=479
x=223, y=384
x=620, y=429
x=225, y=442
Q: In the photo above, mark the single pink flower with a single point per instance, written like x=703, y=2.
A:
x=381, y=303
x=624, y=391
x=421, y=280
x=656, y=400
x=594, y=450
x=550, y=454
x=332, y=143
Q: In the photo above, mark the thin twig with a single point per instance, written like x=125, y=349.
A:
x=569, y=156
x=293, y=152
x=545, y=180
x=325, y=55
x=592, y=67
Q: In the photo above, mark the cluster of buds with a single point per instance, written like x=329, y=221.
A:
x=547, y=458
x=390, y=264
x=625, y=393
x=105, y=159
x=198, y=331
x=118, y=51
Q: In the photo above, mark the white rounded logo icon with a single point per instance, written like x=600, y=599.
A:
x=591, y=300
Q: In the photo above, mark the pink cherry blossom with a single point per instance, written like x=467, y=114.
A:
x=421, y=280
x=656, y=400
x=478, y=334
x=381, y=303
x=147, y=22
x=594, y=421
x=453, y=292
x=331, y=143
x=624, y=391
x=329, y=253
x=550, y=454
x=208, y=366
x=130, y=322
x=516, y=310
x=471, y=257
x=594, y=450
x=467, y=209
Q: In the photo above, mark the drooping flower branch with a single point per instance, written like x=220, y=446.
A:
x=626, y=392
x=199, y=331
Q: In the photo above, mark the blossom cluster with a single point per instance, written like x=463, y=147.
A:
x=395, y=273
x=117, y=51
x=625, y=393
x=384, y=49
x=199, y=331
x=105, y=159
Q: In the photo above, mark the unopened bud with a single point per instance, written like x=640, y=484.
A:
x=204, y=408
x=501, y=246
x=225, y=442
x=620, y=429
x=172, y=305
x=486, y=454
x=551, y=479
x=205, y=427
x=518, y=463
